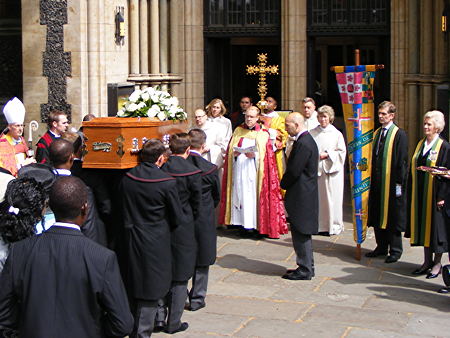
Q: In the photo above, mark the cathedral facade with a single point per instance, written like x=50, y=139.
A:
x=64, y=54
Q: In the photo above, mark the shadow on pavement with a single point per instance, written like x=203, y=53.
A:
x=250, y=265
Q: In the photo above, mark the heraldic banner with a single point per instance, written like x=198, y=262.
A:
x=355, y=85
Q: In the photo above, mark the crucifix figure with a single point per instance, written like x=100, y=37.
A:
x=262, y=69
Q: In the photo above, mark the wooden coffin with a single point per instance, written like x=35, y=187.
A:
x=114, y=142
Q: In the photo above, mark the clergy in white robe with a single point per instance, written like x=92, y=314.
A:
x=332, y=151
x=215, y=144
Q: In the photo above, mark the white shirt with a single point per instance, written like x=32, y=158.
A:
x=299, y=134
x=67, y=225
x=428, y=146
x=62, y=172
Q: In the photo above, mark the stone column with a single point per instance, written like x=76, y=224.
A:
x=134, y=36
x=163, y=36
x=154, y=32
x=294, y=53
x=93, y=56
x=176, y=11
x=143, y=37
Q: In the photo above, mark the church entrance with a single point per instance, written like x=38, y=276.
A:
x=235, y=32
x=226, y=61
x=335, y=29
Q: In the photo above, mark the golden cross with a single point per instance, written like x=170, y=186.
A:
x=262, y=69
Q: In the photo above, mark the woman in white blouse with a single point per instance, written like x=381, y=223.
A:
x=332, y=151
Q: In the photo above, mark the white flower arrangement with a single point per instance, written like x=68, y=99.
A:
x=152, y=102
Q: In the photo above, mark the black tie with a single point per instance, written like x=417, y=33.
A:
x=381, y=140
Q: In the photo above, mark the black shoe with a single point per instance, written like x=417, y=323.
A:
x=292, y=270
x=183, y=327
x=391, y=259
x=444, y=290
x=159, y=327
x=432, y=275
x=421, y=271
x=195, y=307
x=296, y=275
x=375, y=253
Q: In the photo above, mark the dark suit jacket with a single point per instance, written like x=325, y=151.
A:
x=300, y=183
x=62, y=284
x=184, y=244
x=151, y=208
x=205, y=224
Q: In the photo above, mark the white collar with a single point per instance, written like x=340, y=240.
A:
x=271, y=114
x=430, y=145
x=388, y=125
x=300, y=134
x=55, y=135
x=62, y=172
x=195, y=152
x=67, y=225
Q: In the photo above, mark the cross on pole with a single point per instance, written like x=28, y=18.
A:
x=262, y=69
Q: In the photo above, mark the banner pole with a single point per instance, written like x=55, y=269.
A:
x=358, y=246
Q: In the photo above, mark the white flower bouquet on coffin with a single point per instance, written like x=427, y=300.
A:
x=153, y=103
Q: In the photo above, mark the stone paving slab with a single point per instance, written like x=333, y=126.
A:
x=248, y=298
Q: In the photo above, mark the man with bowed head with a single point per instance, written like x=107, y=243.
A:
x=302, y=195
x=60, y=283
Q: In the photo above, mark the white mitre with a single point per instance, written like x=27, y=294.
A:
x=14, y=111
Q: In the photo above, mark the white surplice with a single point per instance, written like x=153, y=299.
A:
x=244, y=209
x=331, y=178
x=214, y=142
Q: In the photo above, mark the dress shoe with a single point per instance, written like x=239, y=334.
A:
x=183, y=327
x=432, y=275
x=391, y=259
x=292, y=270
x=196, y=306
x=421, y=271
x=375, y=253
x=444, y=290
x=296, y=275
x=159, y=327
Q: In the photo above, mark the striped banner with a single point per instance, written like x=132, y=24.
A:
x=355, y=85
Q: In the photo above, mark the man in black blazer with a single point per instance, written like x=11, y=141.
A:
x=151, y=211
x=60, y=283
x=184, y=244
x=205, y=225
x=302, y=197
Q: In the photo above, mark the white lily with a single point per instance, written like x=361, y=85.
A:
x=135, y=95
x=161, y=116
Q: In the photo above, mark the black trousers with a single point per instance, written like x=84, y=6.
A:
x=144, y=318
x=389, y=241
x=303, y=249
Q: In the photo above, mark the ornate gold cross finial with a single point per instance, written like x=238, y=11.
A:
x=262, y=69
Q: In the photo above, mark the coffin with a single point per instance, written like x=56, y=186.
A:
x=114, y=142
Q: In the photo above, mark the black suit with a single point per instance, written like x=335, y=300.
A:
x=150, y=210
x=184, y=244
x=302, y=198
x=62, y=284
x=205, y=228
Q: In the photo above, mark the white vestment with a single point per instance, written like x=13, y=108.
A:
x=331, y=178
x=213, y=133
x=312, y=122
x=244, y=209
x=222, y=130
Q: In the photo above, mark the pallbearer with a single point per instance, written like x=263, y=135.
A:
x=151, y=211
x=184, y=245
x=205, y=228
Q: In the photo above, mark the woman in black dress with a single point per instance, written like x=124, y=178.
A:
x=426, y=196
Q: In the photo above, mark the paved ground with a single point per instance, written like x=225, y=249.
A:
x=347, y=298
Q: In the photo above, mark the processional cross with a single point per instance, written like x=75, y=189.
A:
x=262, y=69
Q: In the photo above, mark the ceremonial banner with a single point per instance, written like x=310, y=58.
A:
x=355, y=85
